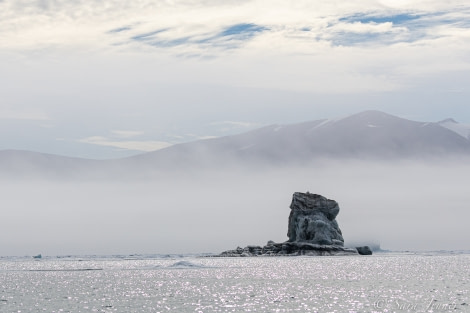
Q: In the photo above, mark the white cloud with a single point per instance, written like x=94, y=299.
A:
x=127, y=133
x=183, y=27
x=423, y=5
x=128, y=145
x=359, y=27
x=196, y=137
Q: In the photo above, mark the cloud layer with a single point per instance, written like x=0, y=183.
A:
x=210, y=28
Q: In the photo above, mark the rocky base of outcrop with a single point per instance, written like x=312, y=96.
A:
x=364, y=250
x=289, y=249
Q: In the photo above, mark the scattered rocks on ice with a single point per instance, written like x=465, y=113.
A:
x=312, y=230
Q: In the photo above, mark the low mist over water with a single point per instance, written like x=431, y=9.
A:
x=404, y=205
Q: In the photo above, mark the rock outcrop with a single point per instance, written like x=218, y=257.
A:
x=312, y=219
x=364, y=250
x=312, y=230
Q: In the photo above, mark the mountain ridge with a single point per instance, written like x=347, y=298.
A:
x=365, y=135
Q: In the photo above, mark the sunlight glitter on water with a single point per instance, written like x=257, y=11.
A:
x=381, y=283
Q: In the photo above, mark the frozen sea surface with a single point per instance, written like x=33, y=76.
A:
x=378, y=283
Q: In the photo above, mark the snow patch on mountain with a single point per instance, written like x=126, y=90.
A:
x=458, y=128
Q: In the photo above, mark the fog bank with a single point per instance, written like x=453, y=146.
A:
x=407, y=205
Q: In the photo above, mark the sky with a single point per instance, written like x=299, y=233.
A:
x=112, y=78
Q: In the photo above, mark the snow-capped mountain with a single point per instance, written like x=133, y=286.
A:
x=366, y=135
x=369, y=134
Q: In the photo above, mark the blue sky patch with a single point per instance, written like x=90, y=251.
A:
x=148, y=36
x=367, y=39
x=353, y=39
x=242, y=30
x=397, y=19
x=415, y=24
x=120, y=29
x=170, y=43
x=228, y=38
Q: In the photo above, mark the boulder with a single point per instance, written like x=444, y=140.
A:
x=364, y=250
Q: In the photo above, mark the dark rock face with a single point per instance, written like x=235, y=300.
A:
x=312, y=230
x=365, y=250
x=312, y=220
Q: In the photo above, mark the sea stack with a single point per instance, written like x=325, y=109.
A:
x=312, y=230
x=312, y=219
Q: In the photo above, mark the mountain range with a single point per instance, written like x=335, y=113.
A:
x=366, y=135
